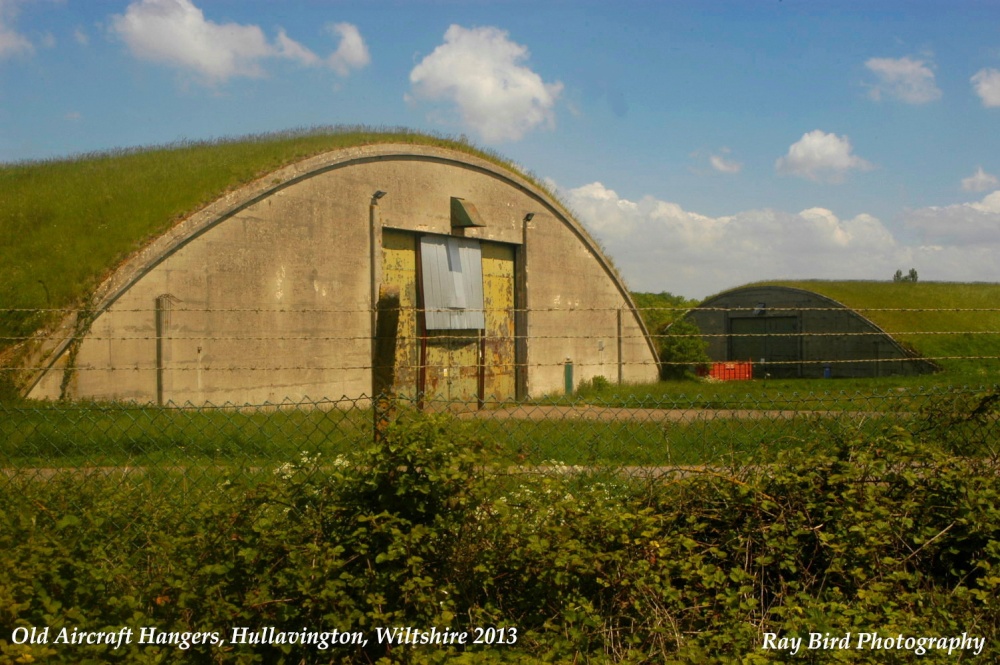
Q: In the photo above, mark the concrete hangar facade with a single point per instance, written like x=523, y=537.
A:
x=271, y=292
x=788, y=332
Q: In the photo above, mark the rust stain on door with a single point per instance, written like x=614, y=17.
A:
x=452, y=370
x=399, y=269
x=498, y=300
x=459, y=366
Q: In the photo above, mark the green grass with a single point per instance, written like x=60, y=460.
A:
x=45, y=435
x=650, y=443
x=66, y=224
x=895, y=393
x=54, y=435
x=969, y=314
x=122, y=436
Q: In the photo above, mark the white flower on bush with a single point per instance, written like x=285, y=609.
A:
x=288, y=470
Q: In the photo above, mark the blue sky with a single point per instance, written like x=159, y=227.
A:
x=705, y=144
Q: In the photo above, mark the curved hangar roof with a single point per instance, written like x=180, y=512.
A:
x=790, y=332
x=270, y=293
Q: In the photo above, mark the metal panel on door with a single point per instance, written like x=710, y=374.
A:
x=452, y=298
x=451, y=370
x=452, y=283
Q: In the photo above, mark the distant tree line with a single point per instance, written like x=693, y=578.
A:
x=908, y=277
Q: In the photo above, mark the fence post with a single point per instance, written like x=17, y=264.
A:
x=384, y=360
x=164, y=304
x=621, y=360
x=568, y=375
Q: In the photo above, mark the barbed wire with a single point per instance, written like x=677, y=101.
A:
x=368, y=310
x=610, y=357
x=487, y=338
x=489, y=366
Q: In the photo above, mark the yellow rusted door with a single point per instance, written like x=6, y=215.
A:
x=399, y=268
x=498, y=338
x=452, y=366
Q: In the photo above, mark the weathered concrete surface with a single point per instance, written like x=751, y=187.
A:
x=266, y=294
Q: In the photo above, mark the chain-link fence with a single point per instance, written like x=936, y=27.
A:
x=41, y=439
x=482, y=385
x=177, y=454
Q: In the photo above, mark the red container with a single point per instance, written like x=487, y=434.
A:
x=731, y=371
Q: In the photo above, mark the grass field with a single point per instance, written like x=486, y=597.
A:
x=588, y=430
x=621, y=443
x=120, y=435
x=839, y=394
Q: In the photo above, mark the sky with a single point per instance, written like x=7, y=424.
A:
x=704, y=144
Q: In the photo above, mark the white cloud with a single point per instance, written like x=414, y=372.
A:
x=176, y=33
x=352, y=53
x=987, y=85
x=821, y=157
x=292, y=50
x=980, y=181
x=989, y=204
x=723, y=164
x=81, y=37
x=968, y=225
x=481, y=72
x=910, y=81
x=12, y=43
x=661, y=246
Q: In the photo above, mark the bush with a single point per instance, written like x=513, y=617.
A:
x=681, y=349
x=884, y=534
x=592, y=386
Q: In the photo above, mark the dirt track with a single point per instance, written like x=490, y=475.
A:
x=626, y=414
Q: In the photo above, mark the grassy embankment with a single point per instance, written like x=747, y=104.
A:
x=66, y=223
x=956, y=322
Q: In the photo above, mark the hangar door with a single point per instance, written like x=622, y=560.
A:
x=456, y=329
x=771, y=340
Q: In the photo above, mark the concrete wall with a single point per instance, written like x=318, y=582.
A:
x=574, y=312
x=811, y=333
x=265, y=295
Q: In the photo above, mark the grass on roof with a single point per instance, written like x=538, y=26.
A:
x=65, y=224
x=938, y=319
